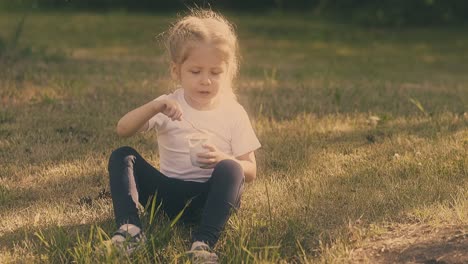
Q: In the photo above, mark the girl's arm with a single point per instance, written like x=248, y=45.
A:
x=249, y=164
x=137, y=119
x=211, y=158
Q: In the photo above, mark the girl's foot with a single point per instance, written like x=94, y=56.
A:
x=128, y=237
x=200, y=253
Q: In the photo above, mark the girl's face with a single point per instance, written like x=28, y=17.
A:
x=202, y=75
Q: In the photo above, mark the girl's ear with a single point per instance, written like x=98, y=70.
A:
x=175, y=72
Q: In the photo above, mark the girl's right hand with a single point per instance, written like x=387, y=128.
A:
x=171, y=109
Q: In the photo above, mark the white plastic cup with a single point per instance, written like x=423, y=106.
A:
x=196, y=142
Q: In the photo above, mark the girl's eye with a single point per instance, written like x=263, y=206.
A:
x=216, y=73
x=195, y=72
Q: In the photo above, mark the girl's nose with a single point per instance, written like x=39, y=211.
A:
x=206, y=80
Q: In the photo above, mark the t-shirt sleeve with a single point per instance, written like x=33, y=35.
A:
x=243, y=138
x=159, y=120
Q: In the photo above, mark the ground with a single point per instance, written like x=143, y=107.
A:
x=415, y=243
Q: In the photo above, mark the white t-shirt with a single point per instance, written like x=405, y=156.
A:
x=228, y=123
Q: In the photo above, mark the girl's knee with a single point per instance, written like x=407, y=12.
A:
x=123, y=151
x=229, y=170
x=122, y=154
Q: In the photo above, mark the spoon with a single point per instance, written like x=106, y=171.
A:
x=188, y=121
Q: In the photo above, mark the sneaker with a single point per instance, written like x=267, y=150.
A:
x=126, y=242
x=201, y=253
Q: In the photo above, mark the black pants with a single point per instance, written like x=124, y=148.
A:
x=133, y=179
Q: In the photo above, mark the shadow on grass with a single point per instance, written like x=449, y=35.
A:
x=380, y=186
x=437, y=252
x=90, y=241
x=416, y=243
x=9, y=240
x=371, y=194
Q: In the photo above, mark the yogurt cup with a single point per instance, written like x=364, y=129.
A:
x=196, y=142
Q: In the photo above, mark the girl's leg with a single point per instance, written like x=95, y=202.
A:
x=132, y=180
x=225, y=189
x=178, y=193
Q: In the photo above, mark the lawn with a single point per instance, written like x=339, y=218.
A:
x=364, y=139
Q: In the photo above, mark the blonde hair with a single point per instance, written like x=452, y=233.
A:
x=208, y=27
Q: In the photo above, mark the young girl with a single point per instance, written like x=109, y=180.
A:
x=203, y=51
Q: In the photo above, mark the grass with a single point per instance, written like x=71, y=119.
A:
x=362, y=129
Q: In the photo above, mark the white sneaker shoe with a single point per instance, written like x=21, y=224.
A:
x=128, y=238
x=201, y=253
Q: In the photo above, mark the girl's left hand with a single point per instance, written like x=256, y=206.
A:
x=211, y=158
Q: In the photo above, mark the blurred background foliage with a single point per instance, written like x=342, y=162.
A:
x=365, y=12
